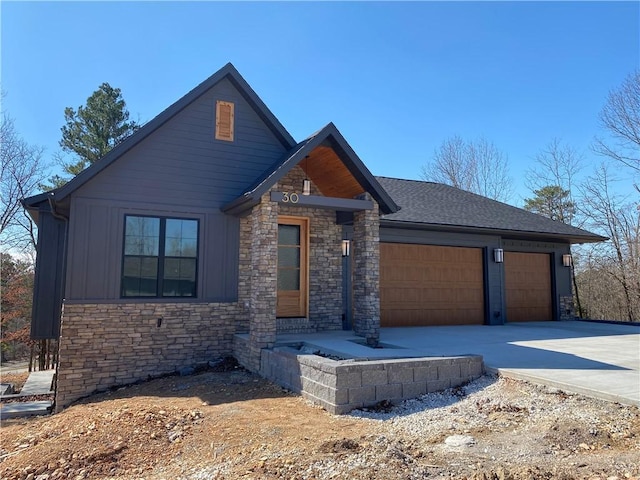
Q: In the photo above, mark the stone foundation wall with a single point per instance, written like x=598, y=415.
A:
x=105, y=345
x=295, y=325
x=340, y=386
x=241, y=350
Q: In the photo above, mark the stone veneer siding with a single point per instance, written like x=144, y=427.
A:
x=105, y=345
x=567, y=308
x=263, y=288
x=366, y=273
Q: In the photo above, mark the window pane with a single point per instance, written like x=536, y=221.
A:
x=140, y=277
x=288, y=279
x=142, y=257
x=179, y=277
x=181, y=238
x=289, y=257
x=141, y=236
x=288, y=235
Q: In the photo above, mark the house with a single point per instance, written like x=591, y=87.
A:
x=212, y=221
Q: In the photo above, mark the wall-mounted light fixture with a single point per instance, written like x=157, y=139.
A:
x=306, y=187
x=346, y=248
x=567, y=261
x=306, y=183
x=498, y=255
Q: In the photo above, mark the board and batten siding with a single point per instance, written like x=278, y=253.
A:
x=178, y=171
x=49, y=276
x=182, y=163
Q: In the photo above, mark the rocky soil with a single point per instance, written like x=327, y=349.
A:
x=229, y=424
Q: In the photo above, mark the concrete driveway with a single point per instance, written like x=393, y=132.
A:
x=600, y=360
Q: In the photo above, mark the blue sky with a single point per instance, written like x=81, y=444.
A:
x=396, y=78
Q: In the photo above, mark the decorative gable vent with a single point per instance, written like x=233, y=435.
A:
x=224, y=120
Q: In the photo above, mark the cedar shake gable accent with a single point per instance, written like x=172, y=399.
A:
x=229, y=72
x=329, y=136
x=224, y=120
x=443, y=207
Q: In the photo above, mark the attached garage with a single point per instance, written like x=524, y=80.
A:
x=423, y=285
x=528, y=286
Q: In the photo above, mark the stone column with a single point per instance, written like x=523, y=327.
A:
x=263, y=295
x=366, y=273
x=567, y=308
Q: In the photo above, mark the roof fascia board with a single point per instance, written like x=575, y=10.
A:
x=35, y=200
x=287, y=165
x=516, y=234
x=251, y=198
x=227, y=71
x=261, y=108
x=240, y=205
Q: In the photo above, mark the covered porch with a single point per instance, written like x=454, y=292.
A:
x=309, y=247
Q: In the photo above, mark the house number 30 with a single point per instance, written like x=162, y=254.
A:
x=290, y=197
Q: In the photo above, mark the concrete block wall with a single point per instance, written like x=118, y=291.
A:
x=341, y=386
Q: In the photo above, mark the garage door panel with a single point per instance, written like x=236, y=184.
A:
x=528, y=286
x=430, y=285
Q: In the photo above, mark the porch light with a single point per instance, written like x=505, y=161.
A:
x=498, y=255
x=306, y=186
x=346, y=247
x=306, y=183
x=567, y=261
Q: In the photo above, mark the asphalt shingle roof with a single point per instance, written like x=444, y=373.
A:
x=437, y=204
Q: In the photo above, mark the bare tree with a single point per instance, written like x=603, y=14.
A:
x=619, y=258
x=556, y=165
x=620, y=118
x=22, y=171
x=478, y=167
x=553, y=180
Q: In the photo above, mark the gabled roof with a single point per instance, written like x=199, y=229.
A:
x=329, y=135
x=446, y=207
x=229, y=72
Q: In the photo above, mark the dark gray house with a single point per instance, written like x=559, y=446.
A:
x=212, y=221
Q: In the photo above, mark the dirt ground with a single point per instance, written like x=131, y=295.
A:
x=229, y=424
x=16, y=379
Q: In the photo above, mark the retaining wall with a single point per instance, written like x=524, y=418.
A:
x=342, y=385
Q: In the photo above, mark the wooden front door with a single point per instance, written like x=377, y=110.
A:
x=292, y=267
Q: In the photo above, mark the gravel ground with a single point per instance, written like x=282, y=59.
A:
x=231, y=424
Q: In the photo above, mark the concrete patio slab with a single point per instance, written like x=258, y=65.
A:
x=601, y=360
x=25, y=409
x=38, y=383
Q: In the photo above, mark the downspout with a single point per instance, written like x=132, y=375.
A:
x=65, y=219
x=55, y=214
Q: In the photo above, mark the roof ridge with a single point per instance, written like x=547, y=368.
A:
x=409, y=180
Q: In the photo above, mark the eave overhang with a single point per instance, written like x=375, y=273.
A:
x=504, y=233
x=329, y=136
